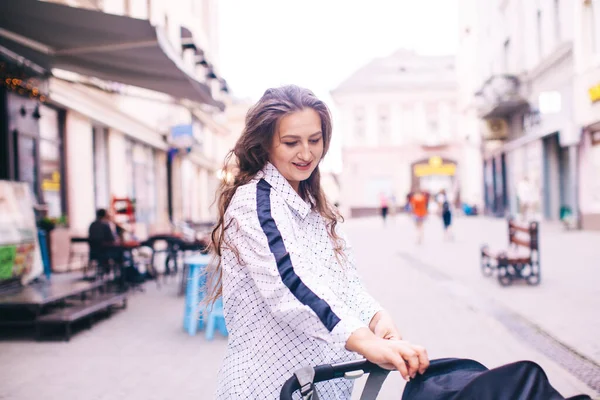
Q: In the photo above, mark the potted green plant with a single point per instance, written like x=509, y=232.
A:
x=47, y=224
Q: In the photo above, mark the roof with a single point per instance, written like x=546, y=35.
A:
x=404, y=69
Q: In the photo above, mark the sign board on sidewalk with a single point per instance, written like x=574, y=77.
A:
x=20, y=256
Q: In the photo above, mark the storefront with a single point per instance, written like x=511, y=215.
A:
x=31, y=137
x=495, y=186
x=587, y=116
x=435, y=174
x=75, y=143
x=590, y=178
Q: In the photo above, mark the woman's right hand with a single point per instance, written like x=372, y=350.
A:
x=409, y=359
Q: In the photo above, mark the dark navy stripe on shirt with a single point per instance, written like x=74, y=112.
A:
x=284, y=262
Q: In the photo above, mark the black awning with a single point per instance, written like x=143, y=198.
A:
x=93, y=43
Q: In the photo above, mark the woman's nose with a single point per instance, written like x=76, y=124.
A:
x=304, y=153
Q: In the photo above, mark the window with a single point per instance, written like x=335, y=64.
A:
x=359, y=123
x=384, y=124
x=141, y=174
x=539, y=33
x=557, y=21
x=50, y=152
x=506, y=56
x=594, y=25
x=101, y=188
x=27, y=166
x=432, y=115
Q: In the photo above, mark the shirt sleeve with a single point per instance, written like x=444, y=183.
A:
x=367, y=305
x=277, y=264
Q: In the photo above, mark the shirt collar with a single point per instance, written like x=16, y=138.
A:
x=274, y=178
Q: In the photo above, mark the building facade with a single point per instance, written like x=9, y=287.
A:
x=399, y=120
x=134, y=110
x=586, y=97
x=535, y=76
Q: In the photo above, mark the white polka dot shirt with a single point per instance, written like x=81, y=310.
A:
x=288, y=302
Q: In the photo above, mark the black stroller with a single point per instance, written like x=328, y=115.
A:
x=446, y=379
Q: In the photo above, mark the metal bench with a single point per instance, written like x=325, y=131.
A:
x=520, y=261
x=86, y=308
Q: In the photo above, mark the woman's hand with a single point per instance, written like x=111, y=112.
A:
x=409, y=359
x=383, y=326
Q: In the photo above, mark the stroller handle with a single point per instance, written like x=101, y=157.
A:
x=326, y=372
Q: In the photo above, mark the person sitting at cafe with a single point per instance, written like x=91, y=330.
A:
x=101, y=236
x=100, y=230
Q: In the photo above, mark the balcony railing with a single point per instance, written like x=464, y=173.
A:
x=500, y=96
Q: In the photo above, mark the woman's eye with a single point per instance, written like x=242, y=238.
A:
x=315, y=141
x=290, y=144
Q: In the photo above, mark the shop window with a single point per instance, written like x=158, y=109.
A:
x=50, y=165
x=27, y=166
x=141, y=171
x=101, y=184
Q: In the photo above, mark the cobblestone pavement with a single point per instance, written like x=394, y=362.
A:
x=434, y=291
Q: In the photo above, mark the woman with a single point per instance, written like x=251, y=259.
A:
x=290, y=289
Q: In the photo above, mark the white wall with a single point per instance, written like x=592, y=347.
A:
x=80, y=172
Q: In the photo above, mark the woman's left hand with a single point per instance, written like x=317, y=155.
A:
x=383, y=326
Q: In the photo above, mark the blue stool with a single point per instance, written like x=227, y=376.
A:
x=44, y=253
x=215, y=320
x=196, y=266
x=195, y=317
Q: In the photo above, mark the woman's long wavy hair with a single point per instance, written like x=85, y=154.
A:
x=250, y=155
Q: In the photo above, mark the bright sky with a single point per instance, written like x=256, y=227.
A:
x=319, y=43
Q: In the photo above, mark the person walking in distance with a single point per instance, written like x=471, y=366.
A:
x=384, y=206
x=418, y=207
x=446, y=213
x=392, y=206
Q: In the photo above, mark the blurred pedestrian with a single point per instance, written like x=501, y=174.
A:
x=446, y=213
x=384, y=207
x=418, y=207
x=291, y=293
x=392, y=207
x=525, y=198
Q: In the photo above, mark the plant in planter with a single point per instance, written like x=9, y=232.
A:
x=56, y=229
x=49, y=223
x=46, y=224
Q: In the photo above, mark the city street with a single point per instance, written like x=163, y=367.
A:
x=435, y=292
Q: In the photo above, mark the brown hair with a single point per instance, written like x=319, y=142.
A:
x=250, y=155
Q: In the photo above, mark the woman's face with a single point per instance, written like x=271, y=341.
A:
x=297, y=146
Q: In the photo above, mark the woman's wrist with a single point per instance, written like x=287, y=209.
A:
x=375, y=320
x=357, y=340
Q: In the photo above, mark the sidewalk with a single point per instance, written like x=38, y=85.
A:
x=438, y=294
x=435, y=293
x=566, y=304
